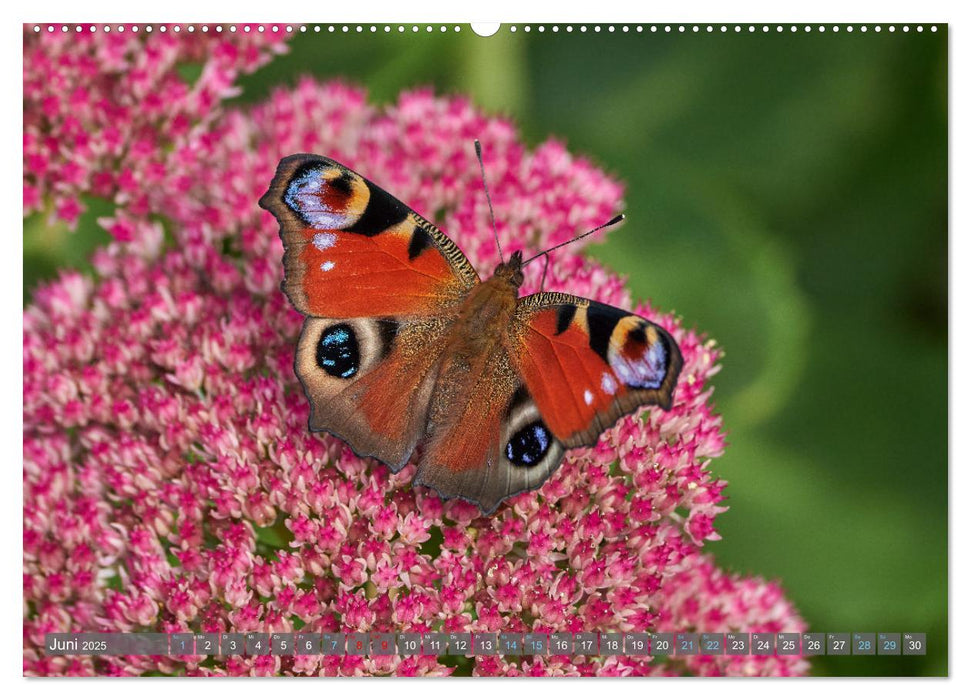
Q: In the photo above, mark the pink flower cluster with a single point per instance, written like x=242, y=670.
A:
x=108, y=114
x=170, y=481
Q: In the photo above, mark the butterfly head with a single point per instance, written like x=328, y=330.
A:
x=511, y=270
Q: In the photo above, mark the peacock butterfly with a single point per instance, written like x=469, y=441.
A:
x=404, y=347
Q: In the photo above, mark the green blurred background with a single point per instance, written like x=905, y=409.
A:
x=786, y=194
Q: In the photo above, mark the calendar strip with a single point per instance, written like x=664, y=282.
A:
x=507, y=644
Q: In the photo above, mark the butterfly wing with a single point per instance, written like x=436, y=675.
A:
x=369, y=380
x=354, y=251
x=486, y=440
x=587, y=364
x=567, y=370
x=380, y=286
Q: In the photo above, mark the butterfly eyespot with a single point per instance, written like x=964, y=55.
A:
x=640, y=363
x=338, y=353
x=322, y=198
x=529, y=445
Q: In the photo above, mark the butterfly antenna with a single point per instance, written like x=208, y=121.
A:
x=615, y=220
x=485, y=185
x=546, y=266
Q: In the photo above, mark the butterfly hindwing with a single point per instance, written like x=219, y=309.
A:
x=369, y=380
x=586, y=364
x=352, y=250
x=486, y=439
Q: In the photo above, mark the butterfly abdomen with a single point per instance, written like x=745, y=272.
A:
x=476, y=343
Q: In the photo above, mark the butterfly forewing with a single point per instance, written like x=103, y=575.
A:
x=352, y=250
x=587, y=364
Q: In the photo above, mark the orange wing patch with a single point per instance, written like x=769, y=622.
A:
x=386, y=274
x=565, y=377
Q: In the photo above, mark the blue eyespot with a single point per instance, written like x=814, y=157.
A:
x=337, y=351
x=529, y=445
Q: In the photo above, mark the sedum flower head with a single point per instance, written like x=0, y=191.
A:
x=109, y=113
x=170, y=481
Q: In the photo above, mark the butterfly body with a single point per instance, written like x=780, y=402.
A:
x=488, y=311
x=406, y=353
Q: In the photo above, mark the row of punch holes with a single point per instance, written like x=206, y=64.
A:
x=414, y=28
